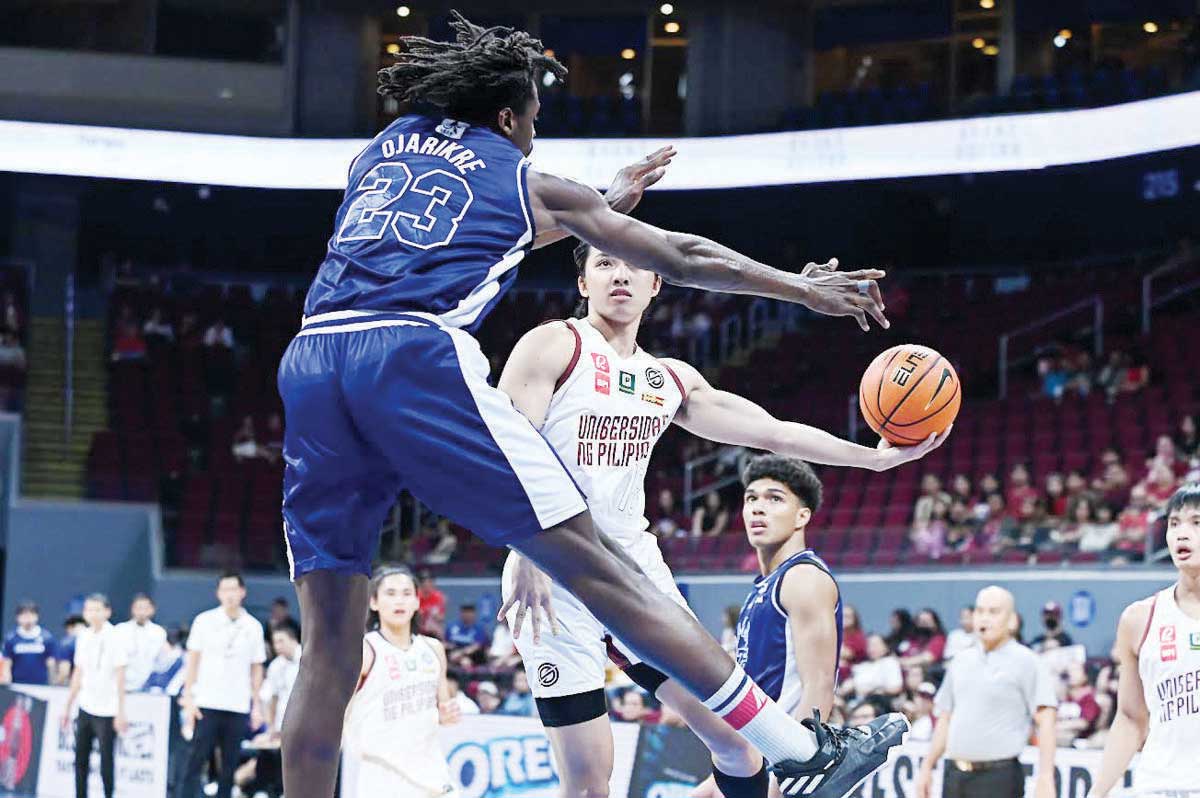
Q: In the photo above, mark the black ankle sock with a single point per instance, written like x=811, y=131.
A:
x=742, y=786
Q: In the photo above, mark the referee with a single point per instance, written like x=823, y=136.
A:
x=992, y=693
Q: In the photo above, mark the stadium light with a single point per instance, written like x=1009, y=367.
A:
x=978, y=42
x=1060, y=41
x=403, y=11
x=1150, y=27
x=393, y=49
x=629, y=54
x=987, y=4
x=1065, y=33
x=671, y=27
x=548, y=53
x=991, y=49
x=666, y=9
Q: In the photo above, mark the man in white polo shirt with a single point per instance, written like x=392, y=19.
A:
x=225, y=655
x=145, y=640
x=99, y=682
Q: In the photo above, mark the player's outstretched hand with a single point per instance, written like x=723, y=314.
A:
x=531, y=591
x=836, y=293
x=890, y=456
x=449, y=713
x=631, y=182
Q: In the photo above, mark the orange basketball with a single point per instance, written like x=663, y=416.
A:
x=908, y=393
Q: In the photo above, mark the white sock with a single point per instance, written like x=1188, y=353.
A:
x=745, y=707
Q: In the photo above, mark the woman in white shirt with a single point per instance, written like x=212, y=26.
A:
x=879, y=674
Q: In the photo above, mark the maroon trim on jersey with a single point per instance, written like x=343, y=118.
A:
x=1149, y=623
x=362, y=679
x=615, y=655
x=678, y=382
x=574, y=356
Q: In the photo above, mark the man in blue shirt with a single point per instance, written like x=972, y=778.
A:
x=29, y=650
x=466, y=639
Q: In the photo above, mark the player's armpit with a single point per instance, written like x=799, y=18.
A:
x=536, y=363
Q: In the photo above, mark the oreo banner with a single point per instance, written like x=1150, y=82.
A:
x=22, y=723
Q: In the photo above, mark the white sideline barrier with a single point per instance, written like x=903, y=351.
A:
x=505, y=757
x=957, y=146
x=141, y=753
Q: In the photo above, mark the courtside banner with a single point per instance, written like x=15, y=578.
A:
x=500, y=756
x=1003, y=143
x=141, y=753
x=670, y=763
x=22, y=728
x=1076, y=773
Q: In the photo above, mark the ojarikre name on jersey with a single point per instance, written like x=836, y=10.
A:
x=461, y=158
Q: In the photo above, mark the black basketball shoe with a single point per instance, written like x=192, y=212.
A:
x=845, y=757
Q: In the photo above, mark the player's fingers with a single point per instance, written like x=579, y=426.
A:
x=650, y=178
x=876, y=295
x=876, y=311
x=519, y=620
x=505, y=608
x=536, y=620
x=861, y=318
x=551, y=617
x=865, y=274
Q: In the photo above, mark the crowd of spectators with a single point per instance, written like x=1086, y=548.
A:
x=1064, y=370
x=1108, y=513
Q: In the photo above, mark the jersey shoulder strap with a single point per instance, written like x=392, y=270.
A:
x=806, y=557
x=574, y=361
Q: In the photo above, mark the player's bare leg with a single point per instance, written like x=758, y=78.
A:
x=730, y=753
x=583, y=753
x=333, y=611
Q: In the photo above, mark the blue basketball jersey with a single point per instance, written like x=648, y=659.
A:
x=435, y=219
x=764, y=638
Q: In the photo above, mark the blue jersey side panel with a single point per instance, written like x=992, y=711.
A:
x=762, y=629
x=435, y=219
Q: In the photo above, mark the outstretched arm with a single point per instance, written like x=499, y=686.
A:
x=697, y=262
x=725, y=417
x=1132, y=720
x=624, y=193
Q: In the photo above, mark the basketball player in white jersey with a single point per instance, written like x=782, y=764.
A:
x=1158, y=695
x=392, y=721
x=602, y=402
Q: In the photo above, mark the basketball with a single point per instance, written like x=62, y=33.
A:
x=908, y=393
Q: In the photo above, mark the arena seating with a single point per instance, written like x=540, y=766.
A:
x=174, y=413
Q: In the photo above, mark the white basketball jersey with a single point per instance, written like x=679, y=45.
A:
x=604, y=418
x=1169, y=664
x=393, y=718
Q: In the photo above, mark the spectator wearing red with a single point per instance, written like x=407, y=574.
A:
x=1020, y=497
x=1164, y=453
x=1133, y=524
x=432, y=606
x=1056, y=495
x=129, y=343
x=1159, y=485
x=1078, y=711
x=854, y=642
x=928, y=642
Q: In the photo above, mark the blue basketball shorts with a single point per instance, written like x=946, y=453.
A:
x=379, y=402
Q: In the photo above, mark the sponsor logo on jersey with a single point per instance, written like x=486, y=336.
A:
x=602, y=384
x=655, y=377
x=600, y=361
x=1168, y=652
x=625, y=382
x=1194, y=641
x=653, y=399
x=547, y=674
x=1166, y=634
x=452, y=128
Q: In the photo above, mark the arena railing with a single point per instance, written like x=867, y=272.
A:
x=1094, y=303
x=1150, y=302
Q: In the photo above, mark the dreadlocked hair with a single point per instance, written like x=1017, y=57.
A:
x=472, y=78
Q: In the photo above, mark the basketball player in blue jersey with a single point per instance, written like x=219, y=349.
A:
x=789, y=632
x=384, y=388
